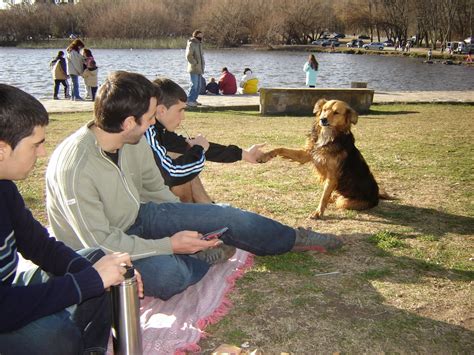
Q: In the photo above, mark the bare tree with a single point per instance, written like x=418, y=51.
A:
x=237, y=22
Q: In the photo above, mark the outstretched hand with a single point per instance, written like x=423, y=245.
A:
x=189, y=242
x=253, y=154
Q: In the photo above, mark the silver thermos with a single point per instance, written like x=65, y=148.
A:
x=126, y=332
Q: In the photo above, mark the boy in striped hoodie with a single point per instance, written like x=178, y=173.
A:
x=181, y=159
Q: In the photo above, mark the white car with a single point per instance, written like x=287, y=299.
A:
x=374, y=45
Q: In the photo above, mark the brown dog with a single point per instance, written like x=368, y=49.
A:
x=340, y=165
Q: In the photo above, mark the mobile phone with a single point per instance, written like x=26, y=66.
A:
x=214, y=234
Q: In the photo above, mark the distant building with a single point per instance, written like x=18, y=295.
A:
x=5, y=4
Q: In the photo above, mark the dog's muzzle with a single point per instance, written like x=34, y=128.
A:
x=324, y=121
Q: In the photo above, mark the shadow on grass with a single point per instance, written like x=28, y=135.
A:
x=388, y=113
x=383, y=327
x=423, y=220
x=346, y=309
x=408, y=269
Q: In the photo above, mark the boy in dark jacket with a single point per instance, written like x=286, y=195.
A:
x=34, y=313
x=181, y=173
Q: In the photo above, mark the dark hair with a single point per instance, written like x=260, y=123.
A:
x=171, y=93
x=75, y=45
x=87, y=52
x=225, y=69
x=60, y=54
x=313, y=62
x=246, y=70
x=122, y=94
x=196, y=33
x=20, y=113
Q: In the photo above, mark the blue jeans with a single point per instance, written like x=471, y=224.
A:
x=195, y=87
x=57, y=84
x=75, y=86
x=167, y=275
x=79, y=329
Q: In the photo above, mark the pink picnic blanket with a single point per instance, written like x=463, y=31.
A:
x=177, y=325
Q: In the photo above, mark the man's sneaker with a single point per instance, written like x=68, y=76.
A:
x=192, y=103
x=306, y=239
x=216, y=255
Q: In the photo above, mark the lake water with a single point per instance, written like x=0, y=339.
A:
x=28, y=69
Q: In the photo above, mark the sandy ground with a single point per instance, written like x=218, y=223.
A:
x=250, y=102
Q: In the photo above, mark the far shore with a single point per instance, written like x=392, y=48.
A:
x=180, y=43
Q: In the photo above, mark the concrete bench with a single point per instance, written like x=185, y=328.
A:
x=300, y=101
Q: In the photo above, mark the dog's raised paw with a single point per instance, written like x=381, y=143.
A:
x=266, y=157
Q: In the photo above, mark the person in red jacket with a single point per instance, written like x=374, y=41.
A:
x=227, y=82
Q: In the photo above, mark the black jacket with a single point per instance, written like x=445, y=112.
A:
x=191, y=162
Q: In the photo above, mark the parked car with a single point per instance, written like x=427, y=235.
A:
x=329, y=42
x=355, y=43
x=464, y=48
x=338, y=35
x=452, y=46
x=363, y=37
x=374, y=45
x=318, y=42
x=388, y=43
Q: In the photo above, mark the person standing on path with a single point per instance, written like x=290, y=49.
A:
x=195, y=58
x=311, y=69
x=59, y=72
x=75, y=66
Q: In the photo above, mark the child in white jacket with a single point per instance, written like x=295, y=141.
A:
x=90, y=78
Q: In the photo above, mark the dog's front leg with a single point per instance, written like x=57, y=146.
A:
x=329, y=186
x=298, y=155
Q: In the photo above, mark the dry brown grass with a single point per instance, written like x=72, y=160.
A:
x=405, y=274
x=410, y=290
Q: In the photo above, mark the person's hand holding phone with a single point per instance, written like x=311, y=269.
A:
x=190, y=242
x=214, y=234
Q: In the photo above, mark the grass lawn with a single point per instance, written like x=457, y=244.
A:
x=404, y=278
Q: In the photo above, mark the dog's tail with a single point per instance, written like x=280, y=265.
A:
x=384, y=195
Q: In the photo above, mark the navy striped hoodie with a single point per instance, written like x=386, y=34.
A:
x=74, y=277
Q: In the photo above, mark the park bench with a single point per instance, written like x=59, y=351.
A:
x=300, y=101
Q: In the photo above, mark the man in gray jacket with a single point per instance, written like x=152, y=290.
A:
x=195, y=60
x=104, y=189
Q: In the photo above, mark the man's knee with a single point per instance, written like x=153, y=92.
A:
x=183, y=192
x=167, y=275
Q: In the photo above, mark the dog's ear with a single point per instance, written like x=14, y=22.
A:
x=352, y=115
x=319, y=105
